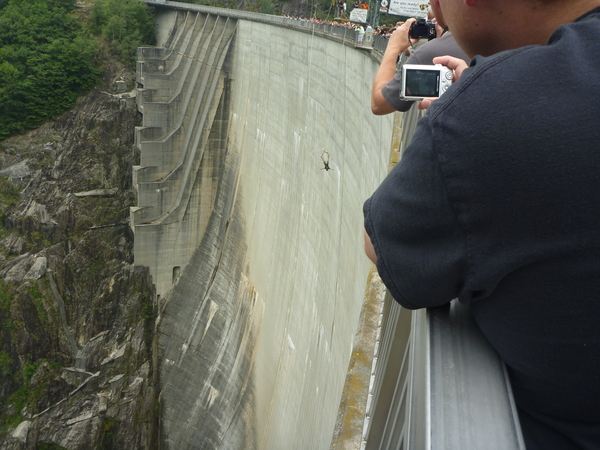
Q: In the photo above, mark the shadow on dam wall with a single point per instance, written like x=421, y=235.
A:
x=264, y=249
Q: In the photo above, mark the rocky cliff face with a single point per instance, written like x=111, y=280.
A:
x=76, y=319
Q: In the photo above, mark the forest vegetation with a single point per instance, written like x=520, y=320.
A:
x=51, y=51
x=50, y=54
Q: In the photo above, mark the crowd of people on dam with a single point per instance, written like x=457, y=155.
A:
x=385, y=31
x=314, y=20
x=496, y=200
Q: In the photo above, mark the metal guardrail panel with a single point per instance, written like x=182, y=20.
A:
x=471, y=405
x=439, y=385
x=387, y=405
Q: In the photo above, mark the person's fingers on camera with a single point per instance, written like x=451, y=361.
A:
x=426, y=103
x=400, y=35
x=456, y=64
x=451, y=62
x=408, y=24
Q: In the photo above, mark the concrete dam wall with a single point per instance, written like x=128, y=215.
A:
x=255, y=250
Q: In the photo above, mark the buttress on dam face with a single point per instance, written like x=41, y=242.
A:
x=256, y=251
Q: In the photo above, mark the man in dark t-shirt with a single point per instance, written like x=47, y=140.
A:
x=496, y=202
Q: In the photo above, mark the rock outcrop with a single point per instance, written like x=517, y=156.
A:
x=76, y=319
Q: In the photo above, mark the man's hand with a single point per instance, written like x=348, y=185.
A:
x=456, y=64
x=399, y=39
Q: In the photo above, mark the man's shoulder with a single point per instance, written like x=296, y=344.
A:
x=444, y=45
x=496, y=80
x=527, y=77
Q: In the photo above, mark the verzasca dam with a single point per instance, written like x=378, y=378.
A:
x=271, y=332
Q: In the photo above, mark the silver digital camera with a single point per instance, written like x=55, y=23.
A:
x=420, y=81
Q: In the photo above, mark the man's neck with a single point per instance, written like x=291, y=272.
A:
x=523, y=26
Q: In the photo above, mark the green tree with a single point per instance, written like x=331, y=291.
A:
x=46, y=61
x=125, y=25
x=266, y=7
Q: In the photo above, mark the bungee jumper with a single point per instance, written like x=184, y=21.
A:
x=325, y=159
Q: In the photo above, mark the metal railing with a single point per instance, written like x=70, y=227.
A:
x=438, y=385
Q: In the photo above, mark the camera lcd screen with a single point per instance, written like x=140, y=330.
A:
x=422, y=83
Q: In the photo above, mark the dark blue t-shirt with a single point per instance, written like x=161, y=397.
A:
x=496, y=201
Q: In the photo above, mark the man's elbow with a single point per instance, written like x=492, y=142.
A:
x=378, y=107
x=376, y=110
x=381, y=108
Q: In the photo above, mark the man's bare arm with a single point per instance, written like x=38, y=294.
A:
x=398, y=43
